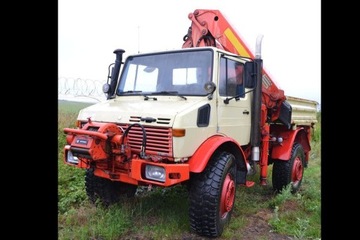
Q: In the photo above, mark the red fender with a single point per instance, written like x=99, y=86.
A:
x=201, y=157
x=283, y=150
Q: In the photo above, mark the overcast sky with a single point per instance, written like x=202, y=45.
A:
x=90, y=30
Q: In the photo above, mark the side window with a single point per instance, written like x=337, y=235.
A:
x=231, y=78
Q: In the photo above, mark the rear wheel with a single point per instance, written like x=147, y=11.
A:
x=289, y=172
x=212, y=196
x=105, y=190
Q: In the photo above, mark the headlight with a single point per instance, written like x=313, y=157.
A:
x=155, y=173
x=71, y=158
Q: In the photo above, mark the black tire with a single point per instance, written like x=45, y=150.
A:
x=106, y=191
x=289, y=172
x=212, y=196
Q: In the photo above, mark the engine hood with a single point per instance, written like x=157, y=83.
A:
x=133, y=109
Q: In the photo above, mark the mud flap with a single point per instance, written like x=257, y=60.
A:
x=241, y=179
x=248, y=184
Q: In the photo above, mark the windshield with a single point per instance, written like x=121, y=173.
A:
x=182, y=72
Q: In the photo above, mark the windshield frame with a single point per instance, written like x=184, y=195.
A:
x=184, y=71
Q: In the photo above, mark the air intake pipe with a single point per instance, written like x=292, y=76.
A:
x=115, y=73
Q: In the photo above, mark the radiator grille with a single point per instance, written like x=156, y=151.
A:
x=158, y=140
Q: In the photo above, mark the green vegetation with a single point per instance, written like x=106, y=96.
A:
x=162, y=213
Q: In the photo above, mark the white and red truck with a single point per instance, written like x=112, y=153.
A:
x=176, y=117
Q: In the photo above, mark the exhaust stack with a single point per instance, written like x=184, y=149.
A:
x=255, y=136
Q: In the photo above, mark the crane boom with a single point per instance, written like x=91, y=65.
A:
x=210, y=28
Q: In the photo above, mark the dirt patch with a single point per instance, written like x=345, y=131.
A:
x=258, y=228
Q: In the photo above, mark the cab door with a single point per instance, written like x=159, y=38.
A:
x=234, y=115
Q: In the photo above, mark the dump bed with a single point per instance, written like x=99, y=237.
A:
x=303, y=111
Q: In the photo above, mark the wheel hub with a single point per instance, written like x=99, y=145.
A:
x=227, y=196
x=297, y=170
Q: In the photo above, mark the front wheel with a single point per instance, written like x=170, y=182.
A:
x=289, y=172
x=212, y=196
x=105, y=190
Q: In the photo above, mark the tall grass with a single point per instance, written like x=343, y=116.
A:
x=162, y=213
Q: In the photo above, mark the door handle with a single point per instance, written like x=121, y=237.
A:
x=246, y=112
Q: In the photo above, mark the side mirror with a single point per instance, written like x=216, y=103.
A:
x=106, y=88
x=209, y=87
x=250, y=74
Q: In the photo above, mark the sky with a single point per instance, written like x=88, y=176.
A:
x=90, y=30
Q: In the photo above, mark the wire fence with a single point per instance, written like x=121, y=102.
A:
x=78, y=89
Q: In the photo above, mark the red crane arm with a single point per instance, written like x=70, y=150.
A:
x=210, y=28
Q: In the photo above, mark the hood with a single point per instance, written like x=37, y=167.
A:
x=132, y=109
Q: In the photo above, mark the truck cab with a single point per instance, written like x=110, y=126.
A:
x=196, y=81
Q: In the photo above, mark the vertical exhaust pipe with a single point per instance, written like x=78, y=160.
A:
x=256, y=120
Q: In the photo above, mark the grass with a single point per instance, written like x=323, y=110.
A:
x=162, y=213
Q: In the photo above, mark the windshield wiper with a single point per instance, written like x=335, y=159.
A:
x=131, y=91
x=147, y=97
x=176, y=93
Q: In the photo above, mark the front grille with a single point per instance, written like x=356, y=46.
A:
x=158, y=140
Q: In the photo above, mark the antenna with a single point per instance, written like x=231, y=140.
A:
x=138, y=39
